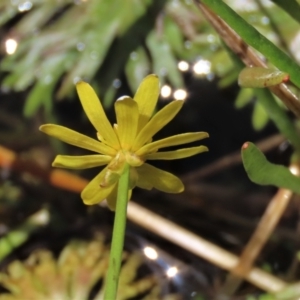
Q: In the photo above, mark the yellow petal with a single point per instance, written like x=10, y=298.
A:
x=80, y=162
x=150, y=176
x=111, y=199
x=94, y=111
x=146, y=97
x=159, y=120
x=93, y=193
x=110, y=178
x=98, y=196
x=144, y=184
x=175, y=140
x=177, y=154
x=127, y=114
x=133, y=177
x=76, y=139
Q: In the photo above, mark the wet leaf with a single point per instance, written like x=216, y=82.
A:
x=259, y=117
x=174, y=36
x=137, y=67
x=164, y=62
x=291, y=7
x=262, y=172
x=38, y=96
x=243, y=98
x=257, y=77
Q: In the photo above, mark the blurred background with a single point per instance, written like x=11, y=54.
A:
x=47, y=46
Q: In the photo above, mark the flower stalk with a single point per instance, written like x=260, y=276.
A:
x=115, y=259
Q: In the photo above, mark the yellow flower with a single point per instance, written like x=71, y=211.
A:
x=129, y=141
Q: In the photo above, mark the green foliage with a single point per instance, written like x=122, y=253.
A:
x=259, y=116
x=258, y=77
x=290, y=292
x=73, y=275
x=164, y=61
x=255, y=39
x=142, y=37
x=18, y=236
x=268, y=20
x=56, y=50
x=291, y=7
x=262, y=172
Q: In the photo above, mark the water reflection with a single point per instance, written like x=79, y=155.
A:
x=180, y=94
x=25, y=6
x=166, y=91
x=175, y=275
x=11, y=46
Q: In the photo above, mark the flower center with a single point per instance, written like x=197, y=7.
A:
x=132, y=159
x=116, y=166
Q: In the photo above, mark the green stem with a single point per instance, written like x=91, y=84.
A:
x=253, y=38
x=115, y=259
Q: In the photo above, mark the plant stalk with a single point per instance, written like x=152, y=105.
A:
x=115, y=258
